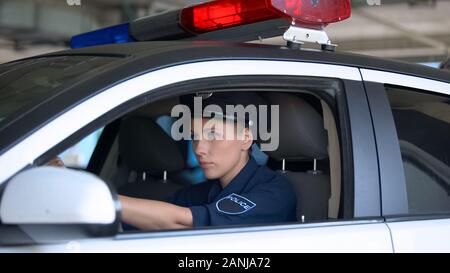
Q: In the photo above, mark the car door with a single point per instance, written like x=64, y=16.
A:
x=360, y=226
x=412, y=126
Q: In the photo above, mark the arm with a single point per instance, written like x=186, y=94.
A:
x=151, y=214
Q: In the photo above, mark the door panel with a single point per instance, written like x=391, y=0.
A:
x=421, y=236
x=326, y=237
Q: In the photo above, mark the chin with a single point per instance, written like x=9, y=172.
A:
x=210, y=174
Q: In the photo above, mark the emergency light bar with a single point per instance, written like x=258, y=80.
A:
x=197, y=20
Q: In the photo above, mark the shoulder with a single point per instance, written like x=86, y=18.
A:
x=266, y=175
x=270, y=180
x=272, y=194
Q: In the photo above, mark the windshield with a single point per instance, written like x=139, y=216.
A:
x=26, y=83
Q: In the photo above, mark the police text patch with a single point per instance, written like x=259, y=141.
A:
x=234, y=204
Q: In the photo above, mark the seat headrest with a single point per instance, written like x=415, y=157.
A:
x=302, y=133
x=145, y=147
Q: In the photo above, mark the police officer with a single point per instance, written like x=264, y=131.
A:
x=238, y=190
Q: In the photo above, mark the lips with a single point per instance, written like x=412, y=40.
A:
x=205, y=165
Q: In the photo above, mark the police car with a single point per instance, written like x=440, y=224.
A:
x=364, y=141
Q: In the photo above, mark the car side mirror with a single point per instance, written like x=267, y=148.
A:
x=50, y=204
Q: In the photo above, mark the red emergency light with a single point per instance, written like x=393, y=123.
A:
x=222, y=14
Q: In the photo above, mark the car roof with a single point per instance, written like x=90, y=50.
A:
x=198, y=50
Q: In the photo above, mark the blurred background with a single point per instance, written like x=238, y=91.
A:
x=410, y=30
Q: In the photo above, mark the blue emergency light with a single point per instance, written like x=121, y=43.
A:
x=111, y=35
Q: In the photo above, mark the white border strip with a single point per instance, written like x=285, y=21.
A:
x=56, y=131
x=405, y=80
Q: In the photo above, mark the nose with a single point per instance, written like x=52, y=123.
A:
x=200, y=147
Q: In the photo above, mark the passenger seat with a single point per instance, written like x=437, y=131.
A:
x=302, y=138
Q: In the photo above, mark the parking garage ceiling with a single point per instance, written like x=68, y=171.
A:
x=413, y=30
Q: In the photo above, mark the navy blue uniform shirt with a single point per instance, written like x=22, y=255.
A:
x=256, y=195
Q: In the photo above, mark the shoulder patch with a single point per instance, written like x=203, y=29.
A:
x=234, y=204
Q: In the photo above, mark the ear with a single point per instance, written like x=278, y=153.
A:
x=248, y=139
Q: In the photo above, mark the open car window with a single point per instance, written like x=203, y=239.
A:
x=166, y=166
